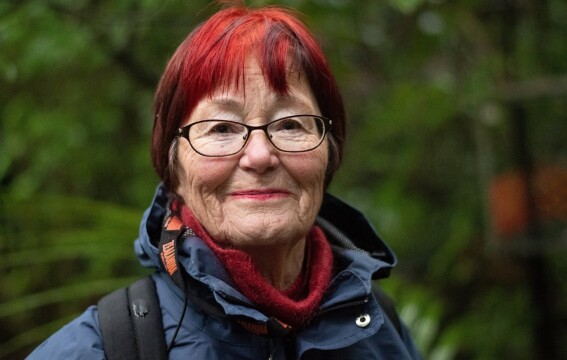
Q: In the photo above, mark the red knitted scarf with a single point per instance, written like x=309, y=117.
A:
x=294, y=306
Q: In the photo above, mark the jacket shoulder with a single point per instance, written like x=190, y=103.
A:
x=79, y=339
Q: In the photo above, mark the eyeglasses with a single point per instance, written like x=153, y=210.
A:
x=216, y=138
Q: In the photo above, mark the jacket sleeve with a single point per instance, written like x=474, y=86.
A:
x=80, y=339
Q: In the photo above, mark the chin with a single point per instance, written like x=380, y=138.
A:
x=265, y=232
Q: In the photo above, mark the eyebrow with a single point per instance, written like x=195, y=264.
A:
x=280, y=99
x=226, y=103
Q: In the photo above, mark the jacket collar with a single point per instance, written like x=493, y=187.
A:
x=347, y=228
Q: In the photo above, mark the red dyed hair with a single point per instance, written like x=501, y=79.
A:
x=214, y=55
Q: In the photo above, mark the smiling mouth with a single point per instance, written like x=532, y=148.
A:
x=266, y=194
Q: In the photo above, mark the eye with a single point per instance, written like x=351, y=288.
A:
x=216, y=129
x=291, y=124
x=224, y=128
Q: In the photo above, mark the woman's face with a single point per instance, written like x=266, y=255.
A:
x=259, y=197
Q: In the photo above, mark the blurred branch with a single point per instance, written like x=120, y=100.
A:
x=536, y=87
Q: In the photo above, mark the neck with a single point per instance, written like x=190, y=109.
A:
x=280, y=267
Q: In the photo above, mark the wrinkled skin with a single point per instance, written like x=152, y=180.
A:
x=260, y=200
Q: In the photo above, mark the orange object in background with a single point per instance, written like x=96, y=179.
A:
x=509, y=205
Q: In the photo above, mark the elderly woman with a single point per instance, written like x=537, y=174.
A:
x=254, y=260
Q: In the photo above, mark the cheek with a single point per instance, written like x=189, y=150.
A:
x=199, y=176
x=309, y=170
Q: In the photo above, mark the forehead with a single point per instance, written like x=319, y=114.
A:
x=252, y=85
x=254, y=74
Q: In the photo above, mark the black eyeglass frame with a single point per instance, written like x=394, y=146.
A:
x=327, y=124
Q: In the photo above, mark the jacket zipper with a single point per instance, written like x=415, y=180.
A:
x=339, y=238
x=354, y=303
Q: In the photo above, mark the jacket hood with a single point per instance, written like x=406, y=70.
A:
x=344, y=226
x=145, y=245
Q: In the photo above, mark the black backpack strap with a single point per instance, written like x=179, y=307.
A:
x=389, y=308
x=131, y=324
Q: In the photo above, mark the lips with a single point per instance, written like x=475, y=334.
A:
x=260, y=194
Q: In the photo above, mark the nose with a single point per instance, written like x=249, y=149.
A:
x=259, y=154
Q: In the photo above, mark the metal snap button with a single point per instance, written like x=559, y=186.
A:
x=363, y=320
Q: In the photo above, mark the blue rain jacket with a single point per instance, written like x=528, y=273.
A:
x=360, y=257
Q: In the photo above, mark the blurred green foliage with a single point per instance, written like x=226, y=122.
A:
x=435, y=92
